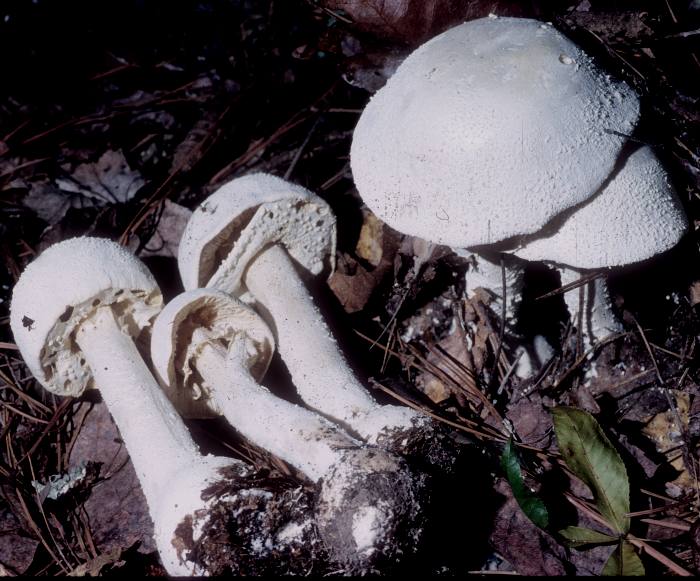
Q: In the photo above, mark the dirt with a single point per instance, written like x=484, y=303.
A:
x=118, y=118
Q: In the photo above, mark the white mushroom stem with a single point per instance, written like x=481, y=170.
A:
x=321, y=374
x=304, y=439
x=487, y=274
x=599, y=320
x=369, y=502
x=86, y=298
x=172, y=472
x=158, y=442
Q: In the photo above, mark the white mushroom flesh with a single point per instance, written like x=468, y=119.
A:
x=487, y=131
x=227, y=338
x=304, y=439
x=488, y=275
x=319, y=370
x=54, y=291
x=594, y=315
x=634, y=217
x=47, y=309
x=244, y=216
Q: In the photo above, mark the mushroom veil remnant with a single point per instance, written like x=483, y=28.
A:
x=210, y=349
x=76, y=313
x=485, y=133
x=255, y=238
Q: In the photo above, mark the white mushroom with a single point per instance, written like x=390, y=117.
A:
x=486, y=132
x=208, y=345
x=76, y=313
x=252, y=238
x=636, y=216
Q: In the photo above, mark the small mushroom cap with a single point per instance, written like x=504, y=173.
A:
x=243, y=217
x=636, y=216
x=487, y=131
x=190, y=321
x=62, y=288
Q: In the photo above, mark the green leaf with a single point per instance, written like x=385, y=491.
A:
x=580, y=537
x=590, y=456
x=531, y=504
x=624, y=561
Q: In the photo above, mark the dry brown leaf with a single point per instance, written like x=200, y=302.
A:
x=109, y=180
x=369, y=244
x=527, y=548
x=353, y=290
x=16, y=549
x=166, y=239
x=116, y=507
x=414, y=21
x=695, y=293
x=667, y=435
x=93, y=567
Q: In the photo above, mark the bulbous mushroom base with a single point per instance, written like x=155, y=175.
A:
x=250, y=524
x=407, y=433
x=371, y=511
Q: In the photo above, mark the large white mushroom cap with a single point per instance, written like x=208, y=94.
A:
x=487, y=131
x=636, y=216
x=45, y=314
x=243, y=217
x=175, y=344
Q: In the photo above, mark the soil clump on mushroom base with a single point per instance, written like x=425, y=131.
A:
x=198, y=93
x=262, y=514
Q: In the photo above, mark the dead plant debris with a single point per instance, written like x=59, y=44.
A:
x=116, y=122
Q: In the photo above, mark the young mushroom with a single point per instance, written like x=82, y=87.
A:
x=209, y=350
x=253, y=238
x=77, y=312
x=485, y=133
x=637, y=215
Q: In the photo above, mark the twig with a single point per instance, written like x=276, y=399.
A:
x=660, y=557
x=666, y=524
x=502, y=328
x=301, y=149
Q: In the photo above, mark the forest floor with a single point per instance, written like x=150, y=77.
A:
x=119, y=118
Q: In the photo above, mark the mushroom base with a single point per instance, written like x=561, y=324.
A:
x=371, y=511
x=258, y=525
x=417, y=438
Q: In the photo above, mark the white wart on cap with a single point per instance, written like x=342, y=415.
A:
x=636, y=216
x=45, y=314
x=243, y=217
x=487, y=131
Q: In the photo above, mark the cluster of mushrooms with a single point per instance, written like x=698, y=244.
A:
x=499, y=135
x=502, y=139
x=248, y=245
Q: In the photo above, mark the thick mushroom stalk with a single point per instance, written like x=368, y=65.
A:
x=310, y=352
x=274, y=230
x=594, y=311
x=370, y=503
x=487, y=273
x=76, y=311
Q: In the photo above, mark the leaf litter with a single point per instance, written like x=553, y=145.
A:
x=143, y=135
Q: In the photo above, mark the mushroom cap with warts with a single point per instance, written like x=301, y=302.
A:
x=177, y=339
x=44, y=314
x=487, y=131
x=243, y=217
x=636, y=216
